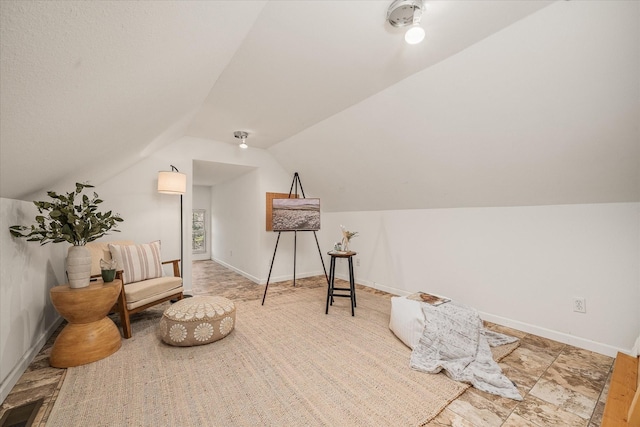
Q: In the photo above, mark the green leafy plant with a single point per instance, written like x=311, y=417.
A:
x=72, y=217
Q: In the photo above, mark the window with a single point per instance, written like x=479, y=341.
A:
x=198, y=238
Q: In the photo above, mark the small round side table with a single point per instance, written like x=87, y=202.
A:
x=90, y=335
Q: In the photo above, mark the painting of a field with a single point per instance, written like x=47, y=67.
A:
x=296, y=214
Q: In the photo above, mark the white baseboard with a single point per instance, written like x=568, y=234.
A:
x=275, y=279
x=282, y=278
x=272, y=279
x=240, y=272
x=584, y=343
x=378, y=286
x=27, y=358
x=562, y=337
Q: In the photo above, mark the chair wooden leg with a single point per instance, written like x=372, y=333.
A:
x=124, y=315
x=126, y=324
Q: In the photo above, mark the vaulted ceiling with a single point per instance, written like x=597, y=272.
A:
x=329, y=88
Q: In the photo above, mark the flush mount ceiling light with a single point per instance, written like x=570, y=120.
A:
x=407, y=13
x=242, y=136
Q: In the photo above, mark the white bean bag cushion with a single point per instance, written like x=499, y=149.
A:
x=407, y=320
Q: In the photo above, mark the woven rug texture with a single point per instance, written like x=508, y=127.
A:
x=285, y=364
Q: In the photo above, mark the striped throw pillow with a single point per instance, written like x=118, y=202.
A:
x=138, y=262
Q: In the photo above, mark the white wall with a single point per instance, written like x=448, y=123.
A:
x=238, y=210
x=202, y=200
x=636, y=347
x=519, y=266
x=27, y=272
x=302, y=245
x=236, y=220
x=241, y=241
x=149, y=215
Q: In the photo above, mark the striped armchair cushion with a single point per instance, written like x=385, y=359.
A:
x=138, y=262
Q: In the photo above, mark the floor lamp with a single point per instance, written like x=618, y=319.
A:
x=174, y=182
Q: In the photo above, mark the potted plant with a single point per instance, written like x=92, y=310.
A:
x=74, y=218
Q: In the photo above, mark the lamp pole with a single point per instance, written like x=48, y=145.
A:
x=175, y=182
x=181, y=237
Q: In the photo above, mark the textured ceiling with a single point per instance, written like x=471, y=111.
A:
x=505, y=103
x=544, y=112
x=304, y=61
x=81, y=81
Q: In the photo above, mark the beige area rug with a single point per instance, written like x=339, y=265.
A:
x=285, y=364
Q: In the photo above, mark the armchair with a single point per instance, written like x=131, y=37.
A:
x=140, y=269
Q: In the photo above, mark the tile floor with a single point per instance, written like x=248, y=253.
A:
x=562, y=385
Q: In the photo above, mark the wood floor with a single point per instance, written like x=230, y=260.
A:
x=562, y=385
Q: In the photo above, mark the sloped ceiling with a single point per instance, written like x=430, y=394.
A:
x=100, y=84
x=545, y=112
x=329, y=89
x=304, y=61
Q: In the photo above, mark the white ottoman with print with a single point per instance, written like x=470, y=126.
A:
x=198, y=320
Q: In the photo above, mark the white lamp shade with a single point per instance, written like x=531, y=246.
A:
x=172, y=182
x=414, y=35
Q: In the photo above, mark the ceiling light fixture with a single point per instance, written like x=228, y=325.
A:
x=242, y=136
x=405, y=13
x=414, y=35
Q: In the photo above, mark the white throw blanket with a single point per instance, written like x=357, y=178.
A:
x=455, y=340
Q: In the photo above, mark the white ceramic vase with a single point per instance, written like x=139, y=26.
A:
x=78, y=267
x=345, y=244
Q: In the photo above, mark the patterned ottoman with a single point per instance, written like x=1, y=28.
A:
x=198, y=320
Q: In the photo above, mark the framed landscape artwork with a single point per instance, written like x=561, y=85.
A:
x=295, y=214
x=269, y=207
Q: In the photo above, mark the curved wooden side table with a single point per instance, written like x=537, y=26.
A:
x=90, y=335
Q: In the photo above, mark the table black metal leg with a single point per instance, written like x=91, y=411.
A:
x=352, y=287
x=332, y=272
x=333, y=279
x=352, y=281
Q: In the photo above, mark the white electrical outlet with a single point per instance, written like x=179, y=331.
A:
x=357, y=262
x=579, y=305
